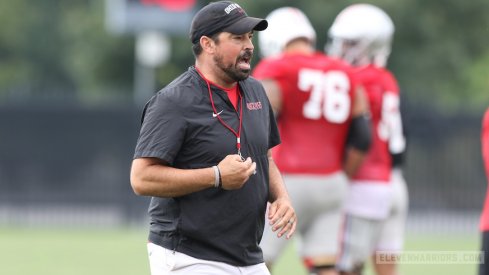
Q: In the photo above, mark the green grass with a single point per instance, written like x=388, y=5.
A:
x=289, y=264
x=121, y=252
x=72, y=252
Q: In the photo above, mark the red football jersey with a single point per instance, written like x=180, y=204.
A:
x=383, y=95
x=484, y=221
x=317, y=96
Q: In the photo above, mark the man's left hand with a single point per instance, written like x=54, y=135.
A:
x=282, y=217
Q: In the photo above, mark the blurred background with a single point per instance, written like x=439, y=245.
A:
x=74, y=76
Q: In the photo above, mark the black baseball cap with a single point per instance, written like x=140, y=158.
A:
x=223, y=16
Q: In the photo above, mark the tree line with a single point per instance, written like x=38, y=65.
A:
x=61, y=51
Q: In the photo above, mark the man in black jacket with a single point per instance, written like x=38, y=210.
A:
x=203, y=155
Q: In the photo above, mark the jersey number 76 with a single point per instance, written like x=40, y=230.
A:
x=329, y=97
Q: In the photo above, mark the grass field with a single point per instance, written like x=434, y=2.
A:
x=289, y=264
x=123, y=252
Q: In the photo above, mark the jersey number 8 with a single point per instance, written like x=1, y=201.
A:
x=390, y=126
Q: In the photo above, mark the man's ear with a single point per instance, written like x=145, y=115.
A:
x=207, y=44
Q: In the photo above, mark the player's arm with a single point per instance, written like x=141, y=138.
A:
x=397, y=133
x=153, y=177
x=274, y=94
x=359, y=134
x=398, y=157
x=280, y=211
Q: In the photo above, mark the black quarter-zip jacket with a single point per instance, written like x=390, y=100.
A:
x=178, y=127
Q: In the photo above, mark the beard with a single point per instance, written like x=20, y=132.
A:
x=232, y=71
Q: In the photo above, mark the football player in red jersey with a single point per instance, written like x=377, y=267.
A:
x=484, y=220
x=376, y=206
x=318, y=107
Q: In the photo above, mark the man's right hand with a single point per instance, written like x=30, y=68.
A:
x=235, y=172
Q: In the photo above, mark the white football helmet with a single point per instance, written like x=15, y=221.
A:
x=361, y=34
x=284, y=25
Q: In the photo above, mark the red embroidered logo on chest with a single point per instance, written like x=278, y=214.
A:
x=253, y=105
